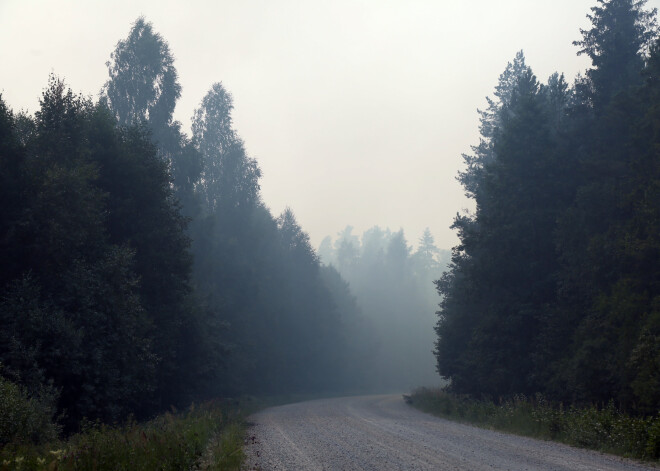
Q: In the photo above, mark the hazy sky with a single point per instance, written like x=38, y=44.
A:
x=357, y=111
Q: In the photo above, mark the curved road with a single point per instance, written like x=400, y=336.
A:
x=383, y=433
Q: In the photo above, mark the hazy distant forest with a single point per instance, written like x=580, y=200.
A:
x=141, y=268
x=393, y=289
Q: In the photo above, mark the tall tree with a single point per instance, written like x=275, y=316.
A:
x=551, y=288
x=608, y=258
x=592, y=280
x=143, y=214
x=229, y=178
x=143, y=84
x=620, y=35
x=142, y=89
x=489, y=121
x=501, y=279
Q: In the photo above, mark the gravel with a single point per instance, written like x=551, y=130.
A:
x=383, y=433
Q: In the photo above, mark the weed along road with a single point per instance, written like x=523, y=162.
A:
x=383, y=433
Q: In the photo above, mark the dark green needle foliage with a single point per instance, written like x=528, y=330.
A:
x=554, y=285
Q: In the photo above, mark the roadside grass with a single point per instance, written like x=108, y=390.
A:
x=205, y=437
x=603, y=428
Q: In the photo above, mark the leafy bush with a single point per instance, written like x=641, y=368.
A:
x=599, y=428
x=26, y=418
x=199, y=438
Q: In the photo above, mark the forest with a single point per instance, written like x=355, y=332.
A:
x=554, y=287
x=142, y=270
x=391, y=286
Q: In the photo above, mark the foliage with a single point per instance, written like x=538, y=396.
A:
x=602, y=428
x=26, y=418
x=621, y=32
x=225, y=450
x=554, y=285
x=70, y=305
x=258, y=273
x=172, y=441
x=143, y=84
x=229, y=179
x=506, y=252
x=96, y=293
x=143, y=89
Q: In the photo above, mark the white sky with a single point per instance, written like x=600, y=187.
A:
x=357, y=111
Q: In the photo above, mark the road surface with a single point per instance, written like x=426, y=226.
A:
x=383, y=433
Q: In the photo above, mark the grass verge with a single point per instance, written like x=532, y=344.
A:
x=599, y=428
x=205, y=437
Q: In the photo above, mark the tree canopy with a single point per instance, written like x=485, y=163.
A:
x=552, y=288
x=141, y=270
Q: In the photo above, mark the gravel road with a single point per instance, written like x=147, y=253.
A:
x=383, y=433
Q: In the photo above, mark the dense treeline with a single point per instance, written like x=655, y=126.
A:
x=555, y=285
x=140, y=267
x=81, y=309
x=393, y=289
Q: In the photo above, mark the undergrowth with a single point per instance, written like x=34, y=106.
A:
x=205, y=437
x=599, y=428
x=24, y=417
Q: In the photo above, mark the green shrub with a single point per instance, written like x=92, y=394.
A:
x=172, y=441
x=605, y=429
x=652, y=446
x=26, y=418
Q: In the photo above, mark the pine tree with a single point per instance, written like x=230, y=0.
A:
x=621, y=33
x=501, y=277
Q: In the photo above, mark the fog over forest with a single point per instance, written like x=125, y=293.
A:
x=394, y=290
x=144, y=269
